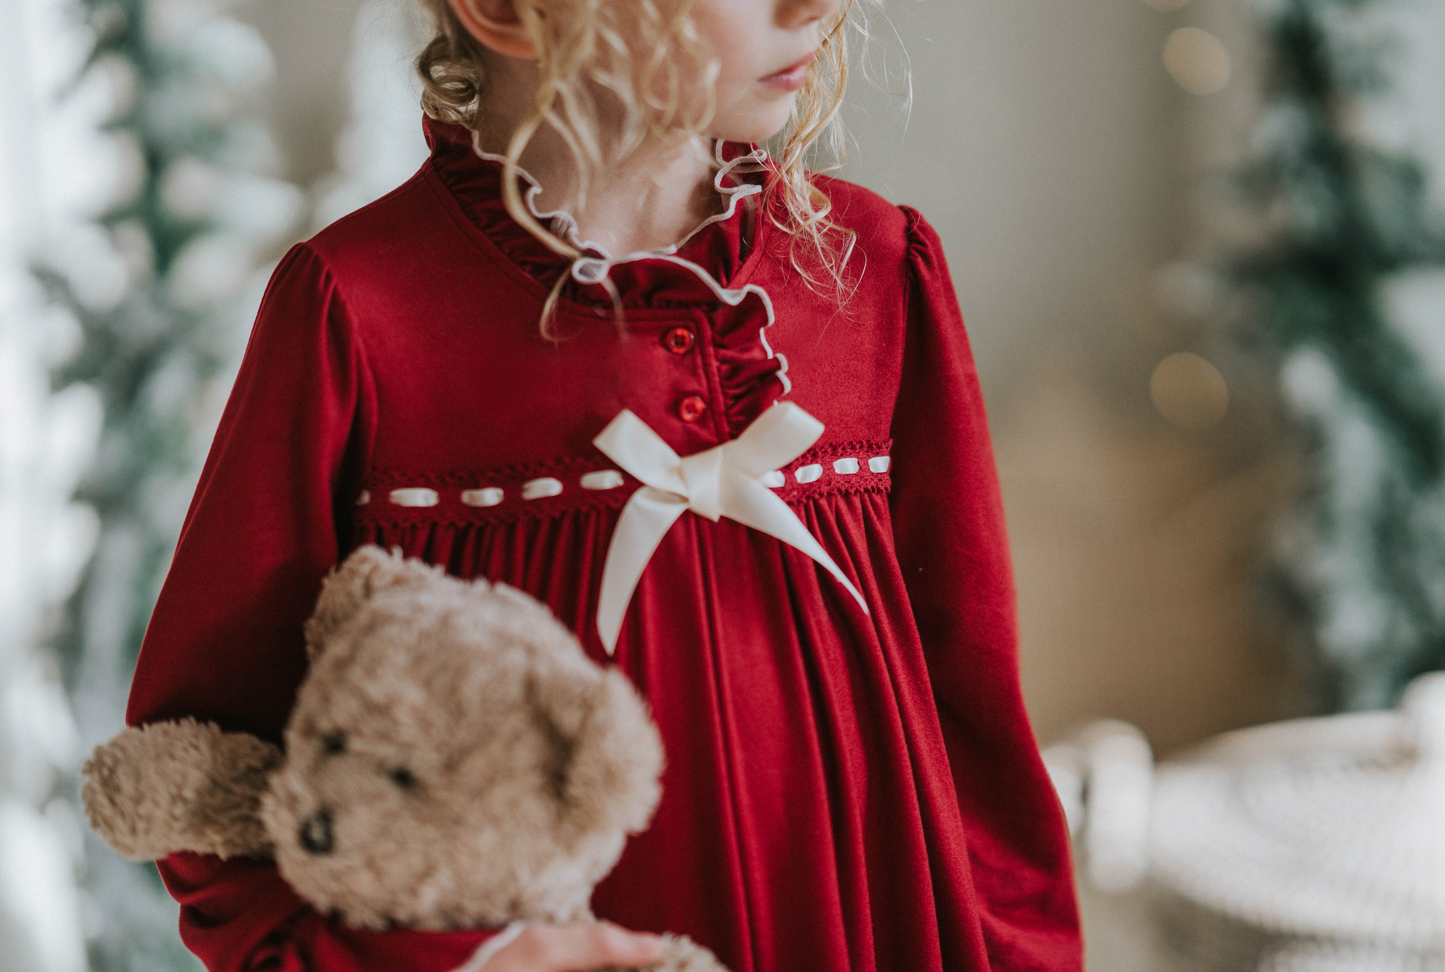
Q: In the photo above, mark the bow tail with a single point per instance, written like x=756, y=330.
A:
x=754, y=505
x=645, y=520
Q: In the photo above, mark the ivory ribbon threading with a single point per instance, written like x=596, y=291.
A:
x=723, y=481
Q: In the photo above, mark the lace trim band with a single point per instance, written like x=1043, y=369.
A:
x=562, y=486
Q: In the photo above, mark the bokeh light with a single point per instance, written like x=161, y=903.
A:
x=1189, y=392
x=1197, y=60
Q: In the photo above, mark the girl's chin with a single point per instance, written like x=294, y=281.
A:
x=755, y=125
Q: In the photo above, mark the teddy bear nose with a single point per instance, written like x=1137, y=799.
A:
x=316, y=832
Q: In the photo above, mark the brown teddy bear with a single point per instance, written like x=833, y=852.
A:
x=453, y=760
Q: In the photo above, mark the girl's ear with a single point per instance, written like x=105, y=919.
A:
x=496, y=26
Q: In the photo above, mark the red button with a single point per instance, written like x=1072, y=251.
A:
x=690, y=409
x=679, y=340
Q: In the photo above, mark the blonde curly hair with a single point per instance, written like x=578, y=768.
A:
x=592, y=47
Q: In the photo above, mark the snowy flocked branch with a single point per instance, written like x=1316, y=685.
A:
x=153, y=200
x=1345, y=221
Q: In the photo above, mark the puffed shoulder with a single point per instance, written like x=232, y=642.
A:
x=302, y=303
x=393, y=225
x=301, y=267
x=923, y=241
x=926, y=261
x=886, y=233
x=393, y=252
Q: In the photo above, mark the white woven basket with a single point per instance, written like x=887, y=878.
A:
x=1316, y=845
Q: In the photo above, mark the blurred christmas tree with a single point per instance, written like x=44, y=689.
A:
x=1362, y=561
x=47, y=438
x=163, y=287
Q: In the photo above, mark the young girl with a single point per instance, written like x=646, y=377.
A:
x=510, y=366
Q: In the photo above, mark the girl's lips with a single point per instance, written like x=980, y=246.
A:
x=791, y=78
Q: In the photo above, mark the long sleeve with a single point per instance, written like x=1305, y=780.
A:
x=225, y=642
x=953, y=550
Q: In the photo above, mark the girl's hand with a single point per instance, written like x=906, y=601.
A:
x=575, y=948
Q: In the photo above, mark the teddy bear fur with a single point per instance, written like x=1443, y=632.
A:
x=453, y=759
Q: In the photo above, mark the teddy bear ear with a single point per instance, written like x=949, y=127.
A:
x=607, y=776
x=368, y=571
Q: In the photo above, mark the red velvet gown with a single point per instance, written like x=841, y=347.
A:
x=845, y=790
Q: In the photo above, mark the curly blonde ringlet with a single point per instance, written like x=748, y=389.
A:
x=589, y=50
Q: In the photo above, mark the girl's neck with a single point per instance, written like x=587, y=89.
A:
x=652, y=201
x=656, y=199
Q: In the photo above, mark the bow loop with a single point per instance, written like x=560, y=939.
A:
x=719, y=482
x=780, y=435
x=631, y=443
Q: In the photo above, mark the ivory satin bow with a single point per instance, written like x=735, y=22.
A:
x=720, y=482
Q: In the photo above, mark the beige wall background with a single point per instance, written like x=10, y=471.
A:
x=1058, y=159
x=1061, y=162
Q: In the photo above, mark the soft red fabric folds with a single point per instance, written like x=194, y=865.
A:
x=844, y=791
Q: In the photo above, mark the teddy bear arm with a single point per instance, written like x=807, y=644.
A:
x=179, y=786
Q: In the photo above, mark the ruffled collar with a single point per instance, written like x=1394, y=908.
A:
x=713, y=255
x=708, y=270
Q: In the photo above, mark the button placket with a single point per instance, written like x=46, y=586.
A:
x=680, y=340
x=711, y=392
x=691, y=408
x=696, y=398
x=684, y=342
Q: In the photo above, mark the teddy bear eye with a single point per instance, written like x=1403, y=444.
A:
x=333, y=743
x=403, y=778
